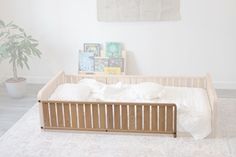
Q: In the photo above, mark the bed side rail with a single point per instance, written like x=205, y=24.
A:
x=110, y=117
x=50, y=86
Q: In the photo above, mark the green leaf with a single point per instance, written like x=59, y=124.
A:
x=27, y=66
x=37, y=52
x=1, y=34
x=21, y=30
x=25, y=60
x=2, y=24
x=27, y=51
x=9, y=24
x=11, y=60
x=13, y=26
x=33, y=40
x=35, y=44
x=19, y=63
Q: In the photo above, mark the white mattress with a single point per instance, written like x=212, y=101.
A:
x=193, y=108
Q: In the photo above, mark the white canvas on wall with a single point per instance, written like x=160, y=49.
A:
x=138, y=10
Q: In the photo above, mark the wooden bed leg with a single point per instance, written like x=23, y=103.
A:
x=175, y=135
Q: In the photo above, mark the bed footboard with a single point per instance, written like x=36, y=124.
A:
x=110, y=117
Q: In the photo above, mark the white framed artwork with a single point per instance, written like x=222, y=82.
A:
x=138, y=10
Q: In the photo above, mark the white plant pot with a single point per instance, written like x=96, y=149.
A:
x=16, y=88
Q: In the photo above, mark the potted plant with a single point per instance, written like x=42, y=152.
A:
x=17, y=47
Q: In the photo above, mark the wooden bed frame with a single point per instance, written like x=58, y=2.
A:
x=117, y=116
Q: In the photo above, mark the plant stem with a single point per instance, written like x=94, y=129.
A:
x=15, y=70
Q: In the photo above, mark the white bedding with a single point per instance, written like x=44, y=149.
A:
x=193, y=108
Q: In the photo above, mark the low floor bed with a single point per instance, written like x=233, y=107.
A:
x=186, y=103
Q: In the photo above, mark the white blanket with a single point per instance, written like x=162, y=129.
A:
x=193, y=108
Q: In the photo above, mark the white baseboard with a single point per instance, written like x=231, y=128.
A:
x=225, y=85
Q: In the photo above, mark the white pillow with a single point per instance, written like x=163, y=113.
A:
x=94, y=85
x=71, y=92
x=113, y=92
x=147, y=90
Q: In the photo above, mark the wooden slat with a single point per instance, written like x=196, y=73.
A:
x=60, y=115
x=139, y=80
x=189, y=82
x=133, y=80
x=176, y=82
x=146, y=118
x=109, y=117
x=164, y=81
x=201, y=83
x=95, y=116
x=162, y=118
x=73, y=116
x=88, y=116
x=175, y=120
x=131, y=117
x=102, y=116
x=169, y=118
x=117, y=116
x=186, y=82
x=66, y=115
x=139, y=117
x=53, y=114
x=157, y=80
x=195, y=82
x=154, y=118
x=46, y=115
x=81, y=116
x=124, y=117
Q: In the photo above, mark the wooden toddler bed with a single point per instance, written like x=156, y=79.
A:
x=117, y=116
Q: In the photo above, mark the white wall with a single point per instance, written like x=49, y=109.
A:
x=203, y=41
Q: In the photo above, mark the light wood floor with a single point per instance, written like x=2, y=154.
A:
x=12, y=109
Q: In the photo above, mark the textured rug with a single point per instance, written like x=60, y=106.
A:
x=26, y=139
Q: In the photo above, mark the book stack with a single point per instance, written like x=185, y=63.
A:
x=112, y=61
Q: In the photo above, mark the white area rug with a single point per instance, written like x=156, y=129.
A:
x=26, y=139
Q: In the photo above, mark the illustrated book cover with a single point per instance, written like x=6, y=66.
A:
x=112, y=70
x=113, y=50
x=116, y=62
x=100, y=64
x=86, y=61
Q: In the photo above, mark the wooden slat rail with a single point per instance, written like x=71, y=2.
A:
x=110, y=117
x=197, y=82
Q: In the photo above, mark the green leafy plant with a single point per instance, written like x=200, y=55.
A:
x=16, y=46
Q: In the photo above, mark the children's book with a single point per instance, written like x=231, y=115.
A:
x=100, y=64
x=92, y=47
x=86, y=61
x=112, y=70
x=113, y=49
x=116, y=62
